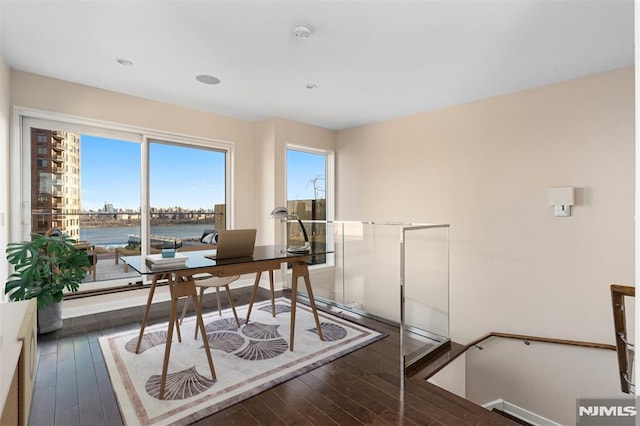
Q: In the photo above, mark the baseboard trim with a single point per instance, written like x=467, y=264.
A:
x=520, y=413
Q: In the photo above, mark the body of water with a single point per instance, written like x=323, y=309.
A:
x=119, y=236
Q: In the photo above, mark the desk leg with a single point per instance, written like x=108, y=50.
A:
x=146, y=311
x=175, y=317
x=253, y=295
x=255, y=290
x=186, y=288
x=200, y=300
x=177, y=321
x=273, y=301
x=294, y=299
x=312, y=301
x=172, y=323
x=203, y=333
x=300, y=269
x=218, y=301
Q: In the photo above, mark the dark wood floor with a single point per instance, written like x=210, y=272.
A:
x=73, y=386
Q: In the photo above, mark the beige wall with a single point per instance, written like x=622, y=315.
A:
x=485, y=168
x=265, y=135
x=5, y=115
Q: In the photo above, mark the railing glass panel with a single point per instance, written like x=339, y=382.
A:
x=425, y=289
x=374, y=264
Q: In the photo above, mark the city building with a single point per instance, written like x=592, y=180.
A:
x=55, y=181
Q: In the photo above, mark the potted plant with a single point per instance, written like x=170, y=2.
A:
x=43, y=268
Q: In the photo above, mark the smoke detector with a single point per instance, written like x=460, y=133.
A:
x=302, y=32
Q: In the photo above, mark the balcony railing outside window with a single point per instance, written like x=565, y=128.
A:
x=115, y=234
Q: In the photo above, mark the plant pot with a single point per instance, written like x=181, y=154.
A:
x=50, y=318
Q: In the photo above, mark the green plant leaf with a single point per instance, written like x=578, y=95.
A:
x=44, y=267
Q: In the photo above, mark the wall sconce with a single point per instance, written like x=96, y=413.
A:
x=282, y=213
x=561, y=199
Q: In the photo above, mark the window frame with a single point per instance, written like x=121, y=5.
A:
x=20, y=160
x=329, y=179
x=329, y=155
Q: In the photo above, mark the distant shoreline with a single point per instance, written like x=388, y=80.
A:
x=120, y=223
x=118, y=236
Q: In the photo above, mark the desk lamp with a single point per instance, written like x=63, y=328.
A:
x=282, y=213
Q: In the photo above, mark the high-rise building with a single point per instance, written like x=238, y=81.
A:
x=55, y=181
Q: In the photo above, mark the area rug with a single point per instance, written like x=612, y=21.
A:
x=247, y=360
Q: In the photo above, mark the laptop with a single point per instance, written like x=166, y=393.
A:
x=235, y=243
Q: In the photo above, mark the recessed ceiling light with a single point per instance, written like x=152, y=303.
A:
x=311, y=86
x=125, y=62
x=207, y=79
x=302, y=32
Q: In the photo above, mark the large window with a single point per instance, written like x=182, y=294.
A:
x=187, y=193
x=109, y=197
x=120, y=193
x=309, y=183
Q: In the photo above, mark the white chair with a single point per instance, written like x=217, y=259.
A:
x=204, y=281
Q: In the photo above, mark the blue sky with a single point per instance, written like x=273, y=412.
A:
x=109, y=173
x=187, y=177
x=302, y=168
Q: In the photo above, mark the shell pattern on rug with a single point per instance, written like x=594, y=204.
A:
x=255, y=341
x=149, y=340
x=258, y=350
x=280, y=308
x=181, y=385
x=330, y=332
x=225, y=341
x=258, y=330
x=223, y=324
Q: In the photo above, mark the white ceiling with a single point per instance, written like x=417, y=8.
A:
x=371, y=60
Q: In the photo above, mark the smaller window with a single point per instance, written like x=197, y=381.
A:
x=306, y=197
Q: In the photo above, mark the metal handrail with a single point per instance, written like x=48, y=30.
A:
x=527, y=339
x=624, y=348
